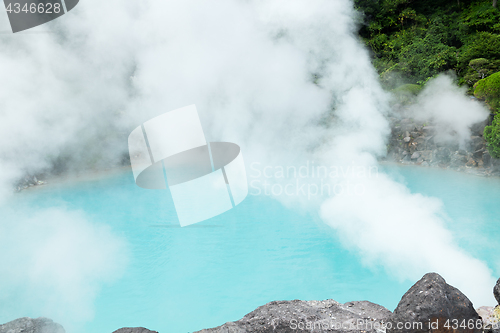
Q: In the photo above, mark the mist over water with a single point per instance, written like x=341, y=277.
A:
x=450, y=109
x=288, y=81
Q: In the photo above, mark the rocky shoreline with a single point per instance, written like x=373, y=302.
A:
x=411, y=143
x=430, y=305
x=414, y=143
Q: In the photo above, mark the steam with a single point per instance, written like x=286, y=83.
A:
x=53, y=264
x=447, y=106
x=286, y=80
x=405, y=233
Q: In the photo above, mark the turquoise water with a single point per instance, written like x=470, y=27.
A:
x=186, y=279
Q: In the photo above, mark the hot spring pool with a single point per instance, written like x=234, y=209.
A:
x=185, y=279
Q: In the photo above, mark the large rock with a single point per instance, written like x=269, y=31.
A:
x=300, y=316
x=496, y=291
x=134, y=330
x=28, y=325
x=432, y=301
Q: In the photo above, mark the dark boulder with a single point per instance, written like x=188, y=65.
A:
x=134, y=330
x=311, y=316
x=28, y=325
x=432, y=305
x=496, y=291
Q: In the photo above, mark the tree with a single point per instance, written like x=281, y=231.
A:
x=495, y=3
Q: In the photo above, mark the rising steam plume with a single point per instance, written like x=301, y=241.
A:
x=288, y=80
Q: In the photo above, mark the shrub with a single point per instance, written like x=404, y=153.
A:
x=489, y=90
x=480, y=69
x=492, y=136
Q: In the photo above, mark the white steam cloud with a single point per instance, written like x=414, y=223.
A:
x=450, y=109
x=53, y=264
x=287, y=80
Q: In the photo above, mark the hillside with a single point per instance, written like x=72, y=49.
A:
x=414, y=40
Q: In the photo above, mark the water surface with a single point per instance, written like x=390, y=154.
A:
x=186, y=279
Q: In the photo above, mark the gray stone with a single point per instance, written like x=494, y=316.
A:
x=442, y=155
x=478, y=128
x=486, y=159
x=478, y=154
x=415, y=155
x=329, y=316
x=495, y=164
x=420, y=140
x=426, y=154
x=432, y=300
x=28, y=325
x=458, y=159
x=407, y=139
x=476, y=143
x=134, y=330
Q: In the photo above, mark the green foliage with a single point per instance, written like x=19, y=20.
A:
x=489, y=90
x=480, y=69
x=415, y=40
x=483, y=17
x=492, y=136
x=480, y=45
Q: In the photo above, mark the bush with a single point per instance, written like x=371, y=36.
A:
x=480, y=69
x=489, y=90
x=492, y=136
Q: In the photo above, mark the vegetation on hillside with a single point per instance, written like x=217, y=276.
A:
x=492, y=136
x=489, y=90
x=413, y=41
